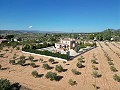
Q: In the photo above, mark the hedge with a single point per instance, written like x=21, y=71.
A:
x=47, y=53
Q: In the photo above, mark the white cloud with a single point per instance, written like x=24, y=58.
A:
x=30, y=26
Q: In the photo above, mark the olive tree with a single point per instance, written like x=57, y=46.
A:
x=116, y=78
x=51, y=60
x=79, y=65
x=22, y=57
x=31, y=58
x=35, y=73
x=4, y=84
x=59, y=68
x=51, y=75
x=12, y=62
x=72, y=82
x=46, y=66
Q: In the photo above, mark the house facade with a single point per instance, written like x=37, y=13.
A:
x=65, y=44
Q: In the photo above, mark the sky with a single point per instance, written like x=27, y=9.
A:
x=60, y=15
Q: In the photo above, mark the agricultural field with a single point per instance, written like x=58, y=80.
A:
x=98, y=69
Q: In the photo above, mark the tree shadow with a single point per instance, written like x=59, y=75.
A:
x=51, y=67
x=82, y=61
x=4, y=68
x=96, y=63
x=64, y=70
x=55, y=62
x=97, y=87
x=27, y=64
x=40, y=75
x=82, y=66
x=24, y=88
x=98, y=76
x=58, y=78
x=35, y=60
x=27, y=59
x=36, y=66
x=67, y=64
x=15, y=86
x=44, y=61
x=115, y=71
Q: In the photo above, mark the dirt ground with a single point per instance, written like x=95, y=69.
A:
x=85, y=80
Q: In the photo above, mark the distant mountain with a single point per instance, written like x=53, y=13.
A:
x=10, y=32
x=26, y=31
x=38, y=31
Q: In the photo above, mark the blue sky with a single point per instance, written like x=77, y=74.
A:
x=60, y=15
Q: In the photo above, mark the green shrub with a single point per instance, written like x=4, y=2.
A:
x=64, y=61
x=116, y=78
x=110, y=63
x=80, y=60
x=12, y=62
x=59, y=68
x=41, y=60
x=1, y=55
x=33, y=65
x=21, y=62
x=74, y=71
x=95, y=74
x=46, y=66
x=14, y=56
x=35, y=73
x=94, y=61
x=31, y=58
x=47, y=53
x=6, y=50
x=51, y=75
x=17, y=48
x=82, y=46
x=94, y=67
x=22, y=57
x=4, y=84
x=1, y=48
x=113, y=69
x=51, y=60
x=79, y=65
x=72, y=82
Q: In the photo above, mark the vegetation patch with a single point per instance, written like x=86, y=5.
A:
x=51, y=75
x=12, y=62
x=74, y=71
x=113, y=69
x=46, y=66
x=34, y=73
x=47, y=53
x=72, y=82
x=79, y=65
x=59, y=68
x=116, y=78
x=51, y=60
x=95, y=74
x=7, y=85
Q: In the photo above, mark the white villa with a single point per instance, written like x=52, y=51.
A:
x=65, y=45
